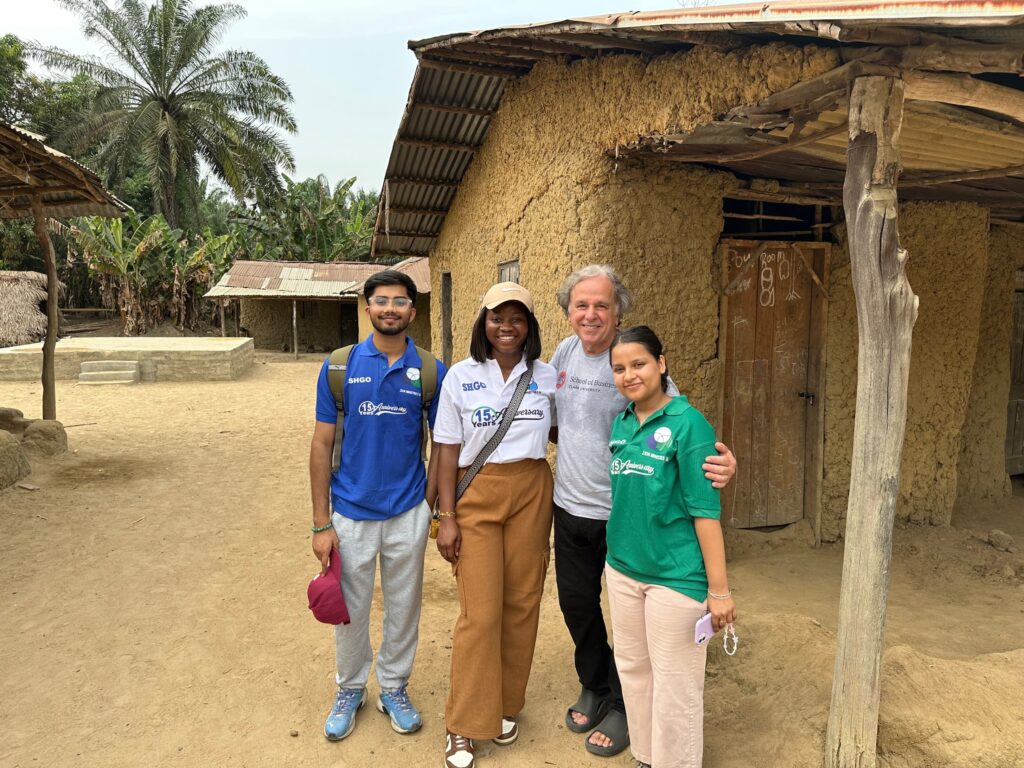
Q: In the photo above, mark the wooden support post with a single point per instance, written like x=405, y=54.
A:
x=295, y=327
x=223, y=324
x=886, y=312
x=52, y=310
x=238, y=318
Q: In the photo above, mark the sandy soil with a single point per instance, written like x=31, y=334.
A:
x=153, y=611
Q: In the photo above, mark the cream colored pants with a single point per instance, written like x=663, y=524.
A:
x=661, y=670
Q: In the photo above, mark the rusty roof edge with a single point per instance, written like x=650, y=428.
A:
x=826, y=20
x=940, y=12
x=382, y=198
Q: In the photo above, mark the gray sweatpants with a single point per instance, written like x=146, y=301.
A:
x=400, y=543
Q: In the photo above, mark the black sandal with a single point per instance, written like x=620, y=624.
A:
x=590, y=704
x=615, y=728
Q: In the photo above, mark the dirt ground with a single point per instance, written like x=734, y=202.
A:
x=153, y=611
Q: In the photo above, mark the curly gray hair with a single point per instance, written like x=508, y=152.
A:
x=623, y=298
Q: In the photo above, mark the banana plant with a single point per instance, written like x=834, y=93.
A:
x=125, y=256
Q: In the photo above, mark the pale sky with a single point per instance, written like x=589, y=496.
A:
x=346, y=61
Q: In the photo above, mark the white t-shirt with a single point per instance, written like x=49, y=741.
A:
x=587, y=402
x=473, y=399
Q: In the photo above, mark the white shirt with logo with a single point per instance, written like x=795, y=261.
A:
x=473, y=399
x=587, y=403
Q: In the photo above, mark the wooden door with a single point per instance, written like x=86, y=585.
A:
x=1015, y=410
x=773, y=312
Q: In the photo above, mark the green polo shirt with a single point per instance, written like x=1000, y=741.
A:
x=658, y=487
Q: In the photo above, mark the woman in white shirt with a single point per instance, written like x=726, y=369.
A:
x=497, y=535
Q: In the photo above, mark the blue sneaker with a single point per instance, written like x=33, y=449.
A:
x=342, y=719
x=396, y=703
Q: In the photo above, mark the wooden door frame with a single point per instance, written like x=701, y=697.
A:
x=814, y=443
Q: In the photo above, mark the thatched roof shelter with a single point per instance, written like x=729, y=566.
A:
x=65, y=187
x=22, y=317
x=38, y=182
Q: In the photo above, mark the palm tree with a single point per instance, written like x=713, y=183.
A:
x=311, y=221
x=170, y=101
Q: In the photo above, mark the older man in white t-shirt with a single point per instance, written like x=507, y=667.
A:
x=593, y=298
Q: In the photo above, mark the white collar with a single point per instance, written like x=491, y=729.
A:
x=517, y=371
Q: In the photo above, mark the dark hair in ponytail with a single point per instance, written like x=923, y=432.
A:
x=641, y=334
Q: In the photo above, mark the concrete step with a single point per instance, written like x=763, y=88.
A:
x=92, y=366
x=109, y=377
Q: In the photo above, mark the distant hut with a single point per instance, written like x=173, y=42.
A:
x=22, y=307
x=312, y=305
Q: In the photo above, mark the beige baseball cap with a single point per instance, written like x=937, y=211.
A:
x=499, y=293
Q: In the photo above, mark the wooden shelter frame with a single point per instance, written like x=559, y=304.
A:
x=40, y=183
x=873, y=89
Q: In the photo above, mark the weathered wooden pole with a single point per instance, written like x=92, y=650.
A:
x=295, y=328
x=52, y=310
x=886, y=311
x=223, y=324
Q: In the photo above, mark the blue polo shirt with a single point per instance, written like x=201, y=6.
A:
x=381, y=472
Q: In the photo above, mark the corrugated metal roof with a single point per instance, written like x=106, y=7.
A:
x=67, y=188
x=309, y=280
x=461, y=77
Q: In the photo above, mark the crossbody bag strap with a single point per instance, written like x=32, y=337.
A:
x=506, y=422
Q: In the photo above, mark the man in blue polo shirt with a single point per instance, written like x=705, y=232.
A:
x=381, y=500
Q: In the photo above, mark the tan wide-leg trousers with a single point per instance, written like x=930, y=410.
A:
x=661, y=670
x=505, y=521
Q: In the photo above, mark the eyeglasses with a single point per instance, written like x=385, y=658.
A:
x=399, y=302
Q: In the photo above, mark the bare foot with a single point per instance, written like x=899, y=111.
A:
x=598, y=739
x=579, y=718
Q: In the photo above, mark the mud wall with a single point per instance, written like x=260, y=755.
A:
x=544, y=190
x=948, y=247
x=981, y=472
x=269, y=322
x=419, y=329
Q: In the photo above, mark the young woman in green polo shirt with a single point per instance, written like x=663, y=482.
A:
x=666, y=555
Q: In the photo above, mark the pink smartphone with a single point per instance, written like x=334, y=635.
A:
x=703, y=630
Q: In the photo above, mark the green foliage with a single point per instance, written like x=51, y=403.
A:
x=150, y=271
x=19, y=248
x=15, y=91
x=57, y=105
x=215, y=208
x=310, y=221
x=167, y=101
x=46, y=107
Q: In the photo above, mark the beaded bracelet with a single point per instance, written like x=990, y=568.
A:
x=446, y=514
x=726, y=596
x=322, y=528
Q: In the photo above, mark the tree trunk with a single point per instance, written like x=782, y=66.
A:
x=52, y=310
x=886, y=311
